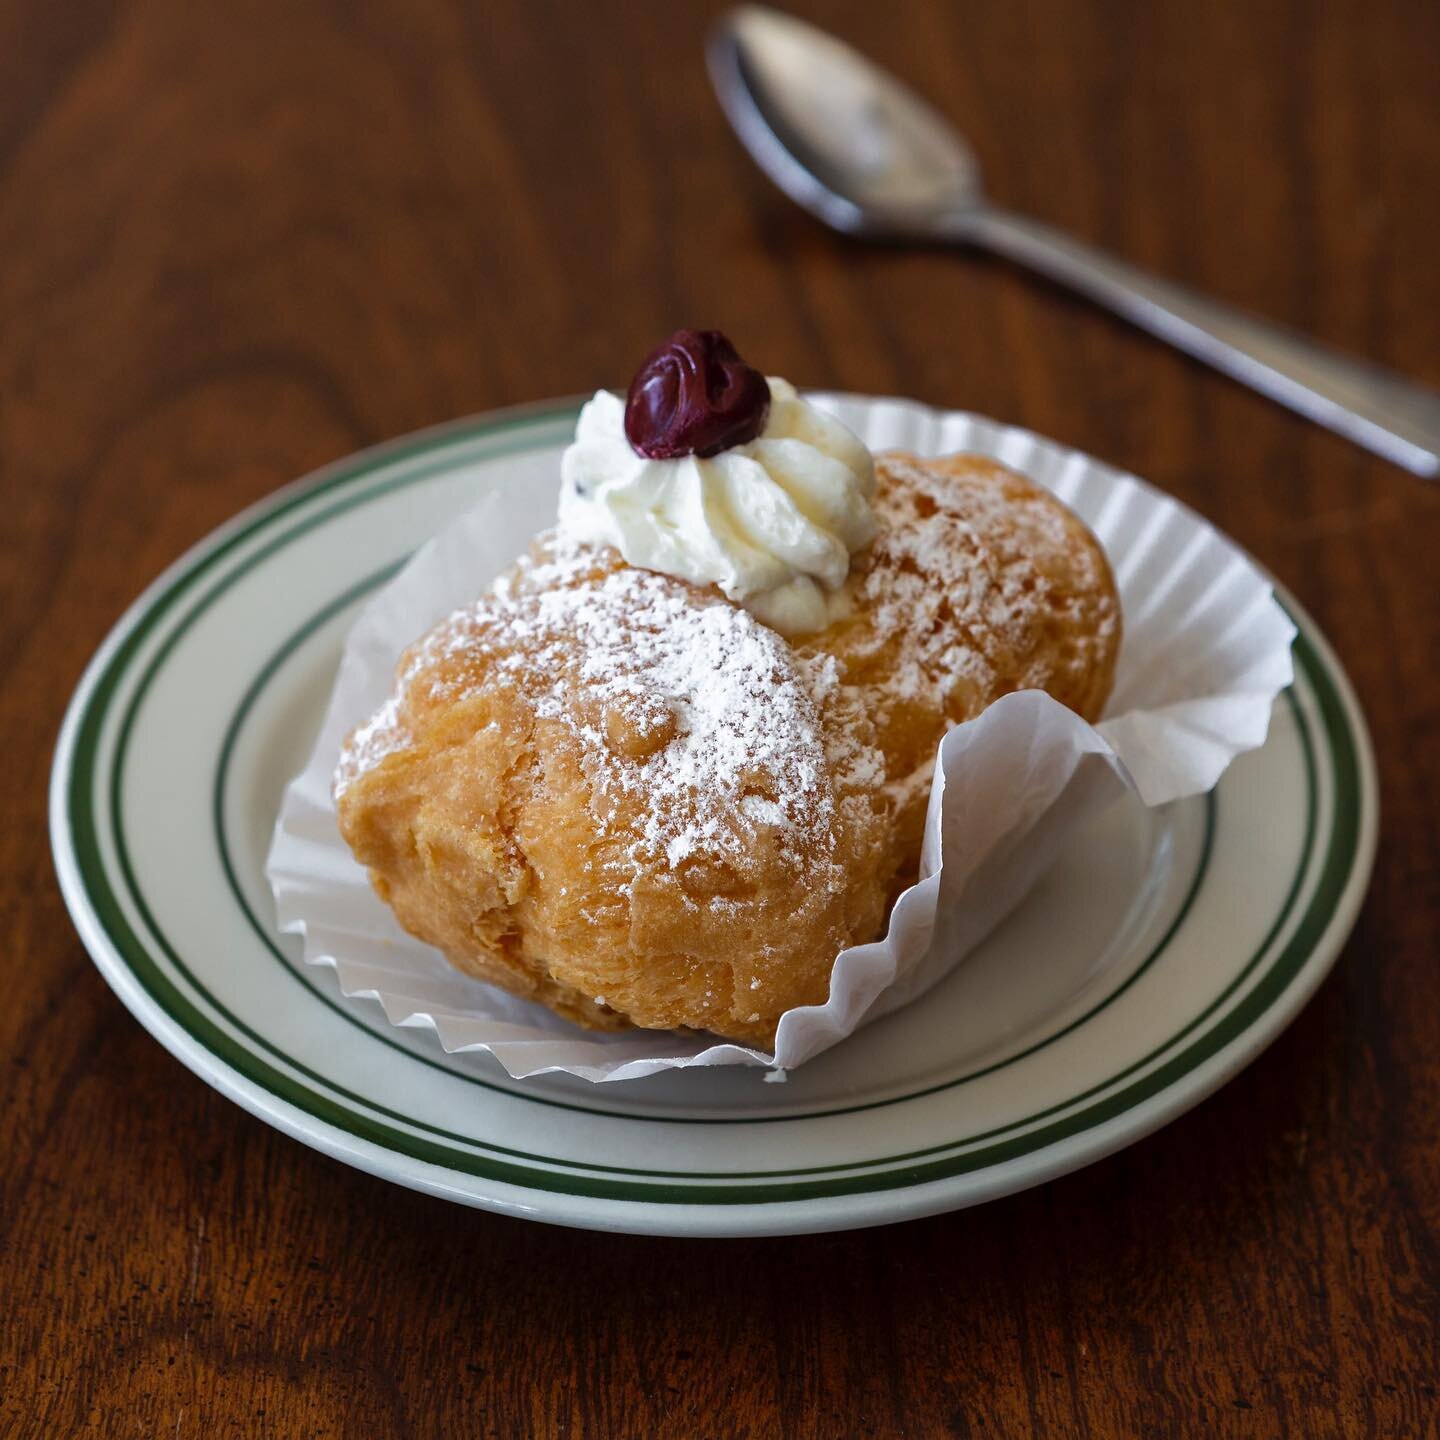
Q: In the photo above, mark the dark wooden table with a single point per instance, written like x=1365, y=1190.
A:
x=239, y=240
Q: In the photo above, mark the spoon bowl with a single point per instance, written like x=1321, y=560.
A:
x=842, y=138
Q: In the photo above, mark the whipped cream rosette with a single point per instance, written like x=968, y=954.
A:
x=772, y=519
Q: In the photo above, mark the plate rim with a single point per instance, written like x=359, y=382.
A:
x=880, y=1202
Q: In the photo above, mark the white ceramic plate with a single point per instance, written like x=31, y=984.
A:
x=1165, y=950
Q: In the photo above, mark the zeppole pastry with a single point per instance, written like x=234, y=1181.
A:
x=679, y=757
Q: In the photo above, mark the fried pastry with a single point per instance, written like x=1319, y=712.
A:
x=621, y=794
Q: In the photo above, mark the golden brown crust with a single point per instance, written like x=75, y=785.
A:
x=980, y=583
x=622, y=796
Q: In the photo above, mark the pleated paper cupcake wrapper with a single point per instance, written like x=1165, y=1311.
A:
x=1205, y=652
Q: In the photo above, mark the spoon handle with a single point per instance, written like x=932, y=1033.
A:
x=1367, y=404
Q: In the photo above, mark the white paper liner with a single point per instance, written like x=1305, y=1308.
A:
x=1205, y=652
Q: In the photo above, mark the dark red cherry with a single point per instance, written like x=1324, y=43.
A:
x=694, y=395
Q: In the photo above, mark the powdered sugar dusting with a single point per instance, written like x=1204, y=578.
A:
x=953, y=599
x=682, y=704
x=932, y=579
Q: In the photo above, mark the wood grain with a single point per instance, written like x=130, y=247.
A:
x=239, y=240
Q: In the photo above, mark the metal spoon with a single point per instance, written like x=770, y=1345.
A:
x=864, y=154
